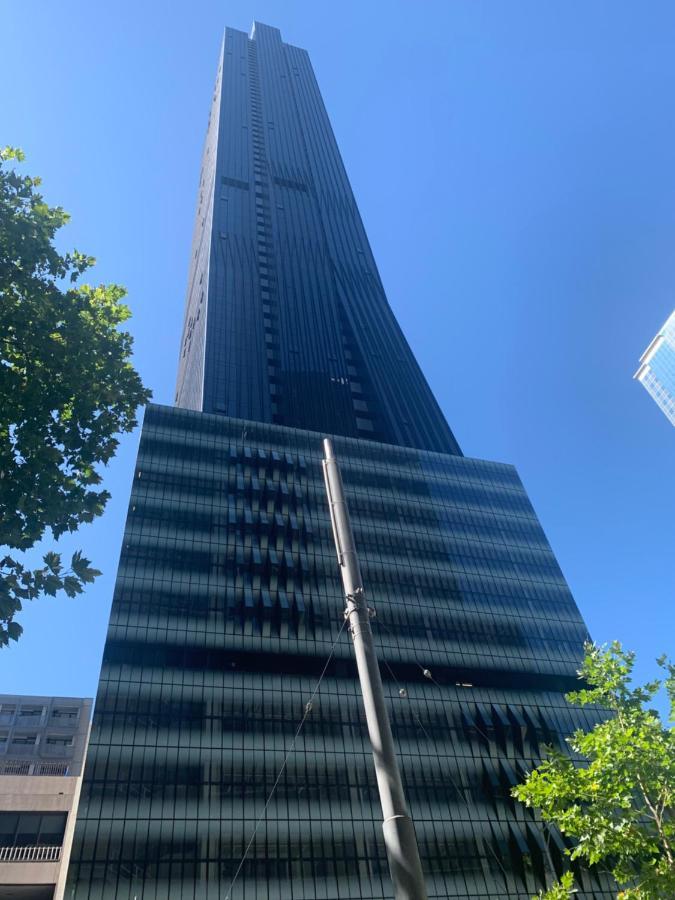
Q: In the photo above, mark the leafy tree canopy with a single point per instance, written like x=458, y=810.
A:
x=67, y=389
x=615, y=796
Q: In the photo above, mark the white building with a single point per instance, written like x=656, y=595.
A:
x=43, y=743
x=657, y=369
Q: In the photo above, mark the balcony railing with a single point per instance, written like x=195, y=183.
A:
x=29, y=854
x=37, y=768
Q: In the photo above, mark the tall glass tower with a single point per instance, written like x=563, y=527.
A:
x=228, y=603
x=657, y=369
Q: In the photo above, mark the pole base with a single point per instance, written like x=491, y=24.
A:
x=404, y=860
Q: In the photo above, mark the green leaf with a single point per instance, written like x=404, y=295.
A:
x=53, y=562
x=72, y=586
x=14, y=630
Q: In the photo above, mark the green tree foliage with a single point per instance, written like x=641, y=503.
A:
x=562, y=890
x=67, y=389
x=615, y=795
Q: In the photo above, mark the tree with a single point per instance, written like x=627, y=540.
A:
x=67, y=389
x=616, y=799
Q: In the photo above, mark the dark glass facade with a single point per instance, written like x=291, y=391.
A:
x=286, y=319
x=227, y=602
x=228, y=597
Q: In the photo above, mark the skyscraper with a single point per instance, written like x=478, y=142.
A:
x=228, y=605
x=286, y=318
x=657, y=369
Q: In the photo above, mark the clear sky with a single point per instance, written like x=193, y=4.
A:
x=515, y=167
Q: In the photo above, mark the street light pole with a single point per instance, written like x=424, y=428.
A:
x=399, y=834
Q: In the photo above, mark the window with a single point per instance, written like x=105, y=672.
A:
x=7, y=711
x=23, y=829
x=234, y=182
x=52, y=828
x=31, y=712
x=65, y=712
x=58, y=741
x=24, y=740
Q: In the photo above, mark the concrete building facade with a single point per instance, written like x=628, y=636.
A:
x=43, y=743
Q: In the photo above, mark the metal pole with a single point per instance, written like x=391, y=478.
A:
x=399, y=834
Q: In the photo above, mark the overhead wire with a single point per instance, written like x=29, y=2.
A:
x=429, y=676
x=291, y=747
x=460, y=791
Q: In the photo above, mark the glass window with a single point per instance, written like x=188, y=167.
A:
x=52, y=828
x=24, y=740
x=8, y=823
x=28, y=830
x=24, y=829
x=31, y=712
x=7, y=711
x=65, y=712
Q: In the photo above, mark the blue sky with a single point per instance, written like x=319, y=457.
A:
x=513, y=163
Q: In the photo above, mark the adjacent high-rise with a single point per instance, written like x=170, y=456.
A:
x=228, y=603
x=657, y=369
